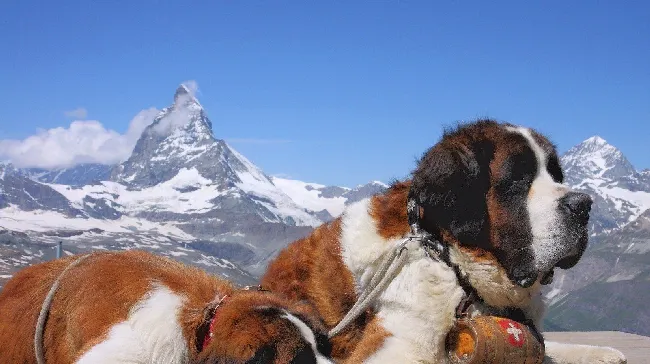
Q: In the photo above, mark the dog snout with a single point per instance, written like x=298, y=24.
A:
x=577, y=203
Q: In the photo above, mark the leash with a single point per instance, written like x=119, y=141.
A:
x=393, y=262
x=386, y=272
x=45, y=309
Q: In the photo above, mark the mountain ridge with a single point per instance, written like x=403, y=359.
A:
x=180, y=183
x=620, y=192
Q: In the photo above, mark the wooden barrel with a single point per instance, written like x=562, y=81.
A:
x=493, y=340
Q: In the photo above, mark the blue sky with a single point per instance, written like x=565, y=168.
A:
x=334, y=92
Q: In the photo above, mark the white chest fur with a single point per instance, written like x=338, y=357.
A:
x=417, y=308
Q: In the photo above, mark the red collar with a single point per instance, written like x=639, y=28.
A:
x=208, y=336
x=217, y=303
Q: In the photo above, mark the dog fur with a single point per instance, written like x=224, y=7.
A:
x=137, y=307
x=493, y=193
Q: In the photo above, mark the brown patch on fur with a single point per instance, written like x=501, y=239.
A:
x=99, y=292
x=251, y=322
x=499, y=216
x=106, y=283
x=389, y=211
x=373, y=338
x=311, y=269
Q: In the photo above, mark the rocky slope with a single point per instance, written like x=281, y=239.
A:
x=80, y=175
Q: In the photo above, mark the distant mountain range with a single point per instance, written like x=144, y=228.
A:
x=186, y=194
x=609, y=289
x=182, y=193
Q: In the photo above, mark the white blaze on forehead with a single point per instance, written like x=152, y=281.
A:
x=542, y=207
x=309, y=336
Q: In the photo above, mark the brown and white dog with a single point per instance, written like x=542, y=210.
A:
x=136, y=307
x=493, y=194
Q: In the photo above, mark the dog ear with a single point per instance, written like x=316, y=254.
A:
x=450, y=184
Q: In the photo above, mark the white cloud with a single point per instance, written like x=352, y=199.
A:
x=82, y=142
x=186, y=108
x=192, y=86
x=78, y=114
x=177, y=118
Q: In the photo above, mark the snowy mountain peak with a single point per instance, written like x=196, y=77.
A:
x=180, y=145
x=182, y=90
x=595, y=140
x=185, y=95
x=180, y=134
x=595, y=158
x=379, y=183
x=320, y=198
x=620, y=193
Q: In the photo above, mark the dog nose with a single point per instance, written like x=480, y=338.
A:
x=578, y=203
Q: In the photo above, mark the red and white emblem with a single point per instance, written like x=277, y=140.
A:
x=514, y=332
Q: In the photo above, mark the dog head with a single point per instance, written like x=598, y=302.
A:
x=496, y=190
x=260, y=327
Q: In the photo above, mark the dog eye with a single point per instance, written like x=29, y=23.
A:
x=554, y=169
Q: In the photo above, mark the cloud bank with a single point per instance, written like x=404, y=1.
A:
x=82, y=142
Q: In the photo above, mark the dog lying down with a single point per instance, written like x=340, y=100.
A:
x=137, y=307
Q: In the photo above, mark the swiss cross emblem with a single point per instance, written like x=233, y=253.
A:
x=514, y=332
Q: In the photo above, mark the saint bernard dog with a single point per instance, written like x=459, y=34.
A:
x=137, y=307
x=492, y=194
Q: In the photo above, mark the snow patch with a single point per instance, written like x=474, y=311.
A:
x=15, y=219
x=255, y=182
x=621, y=277
x=187, y=192
x=309, y=196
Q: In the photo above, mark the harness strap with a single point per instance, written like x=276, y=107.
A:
x=391, y=264
x=45, y=309
x=385, y=273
